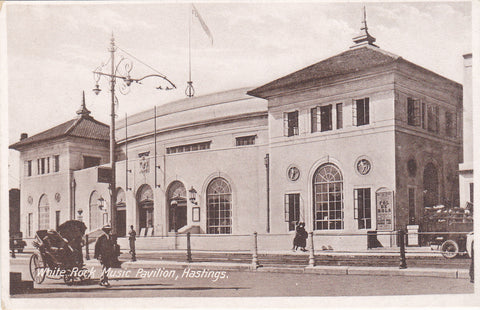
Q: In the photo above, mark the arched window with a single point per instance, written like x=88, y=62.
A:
x=43, y=213
x=219, y=207
x=96, y=211
x=328, y=198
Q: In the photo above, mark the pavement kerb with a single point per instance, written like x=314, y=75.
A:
x=326, y=270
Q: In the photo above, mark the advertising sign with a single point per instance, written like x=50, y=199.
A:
x=385, y=210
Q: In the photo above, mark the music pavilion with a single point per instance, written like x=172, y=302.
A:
x=361, y=141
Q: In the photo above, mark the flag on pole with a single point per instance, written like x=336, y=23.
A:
x=202, y=22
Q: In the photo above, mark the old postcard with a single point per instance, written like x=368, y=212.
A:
x=316, y=150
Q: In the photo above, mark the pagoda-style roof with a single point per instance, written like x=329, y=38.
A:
x=83, y=126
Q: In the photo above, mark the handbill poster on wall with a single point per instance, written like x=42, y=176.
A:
x=384, y=210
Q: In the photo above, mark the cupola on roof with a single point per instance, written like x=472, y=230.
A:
x=364, y=38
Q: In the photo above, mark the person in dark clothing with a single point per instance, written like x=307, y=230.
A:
x=132, y=234
x=105, y=253
x=472, y=270
x=301, y=235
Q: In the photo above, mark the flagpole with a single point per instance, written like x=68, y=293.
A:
x=189, y=91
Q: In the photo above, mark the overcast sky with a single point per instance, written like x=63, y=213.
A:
x=52, y=49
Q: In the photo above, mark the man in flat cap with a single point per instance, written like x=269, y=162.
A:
x=104, y=252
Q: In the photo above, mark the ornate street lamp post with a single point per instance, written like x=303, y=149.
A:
x=127, y=81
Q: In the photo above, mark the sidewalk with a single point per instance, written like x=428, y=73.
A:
x=321, y=270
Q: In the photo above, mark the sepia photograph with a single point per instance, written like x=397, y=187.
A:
x=154, y=151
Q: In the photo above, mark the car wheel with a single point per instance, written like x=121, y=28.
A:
x=449, y=249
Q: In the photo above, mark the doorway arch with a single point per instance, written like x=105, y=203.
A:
x=96, y=212
x=177, y=213
x=145, y=206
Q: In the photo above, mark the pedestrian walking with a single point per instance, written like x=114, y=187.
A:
x=132, y=236
x=301, y=235
x=104, y=252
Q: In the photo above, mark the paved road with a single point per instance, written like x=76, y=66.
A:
x=196, y=283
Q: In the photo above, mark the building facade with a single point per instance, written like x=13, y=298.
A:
x=466, y=164
x=361, y=141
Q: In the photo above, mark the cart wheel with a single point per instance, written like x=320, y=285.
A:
x=37, y=269
x=449, y=249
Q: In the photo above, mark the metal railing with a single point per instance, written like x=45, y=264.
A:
x=253, y=248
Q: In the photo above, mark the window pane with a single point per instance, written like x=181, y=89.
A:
x=328, y=197
x=219, y=214
x=326, y=117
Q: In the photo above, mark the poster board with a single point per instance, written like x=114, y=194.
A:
x=384, y=199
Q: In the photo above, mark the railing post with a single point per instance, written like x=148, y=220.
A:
x=255, y=252
x=189, y=249
x=175, y=240
x=87, y=256
x=401, y=240
x=311, y=257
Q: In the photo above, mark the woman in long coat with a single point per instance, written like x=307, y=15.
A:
x=301, y=235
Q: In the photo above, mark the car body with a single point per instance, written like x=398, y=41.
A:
x=16, y=242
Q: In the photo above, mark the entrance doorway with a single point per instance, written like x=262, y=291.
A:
x=177, y=206
x=121, y=222
x=145, y=207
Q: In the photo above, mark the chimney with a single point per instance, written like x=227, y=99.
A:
x=23, y=136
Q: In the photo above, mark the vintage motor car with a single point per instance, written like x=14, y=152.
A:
x=16, y=242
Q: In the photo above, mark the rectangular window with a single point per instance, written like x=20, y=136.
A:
x=42, y=165
x=28, y=168
x=413, y=112
x=56, y=163
x=57, y=219
x=247, y=140
x=189, y=147
x=90, y=161
x=30, y=224
x=291, y=123
x=450, y=124
x=339, y=115
x=48, y=164
x=361, y=112
x=432, y=118
x=38, y=166
x=326, y=117
x=292, y=210
x=411, y=206
x=423, y=115
x=362, y=201
x=314, y=119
